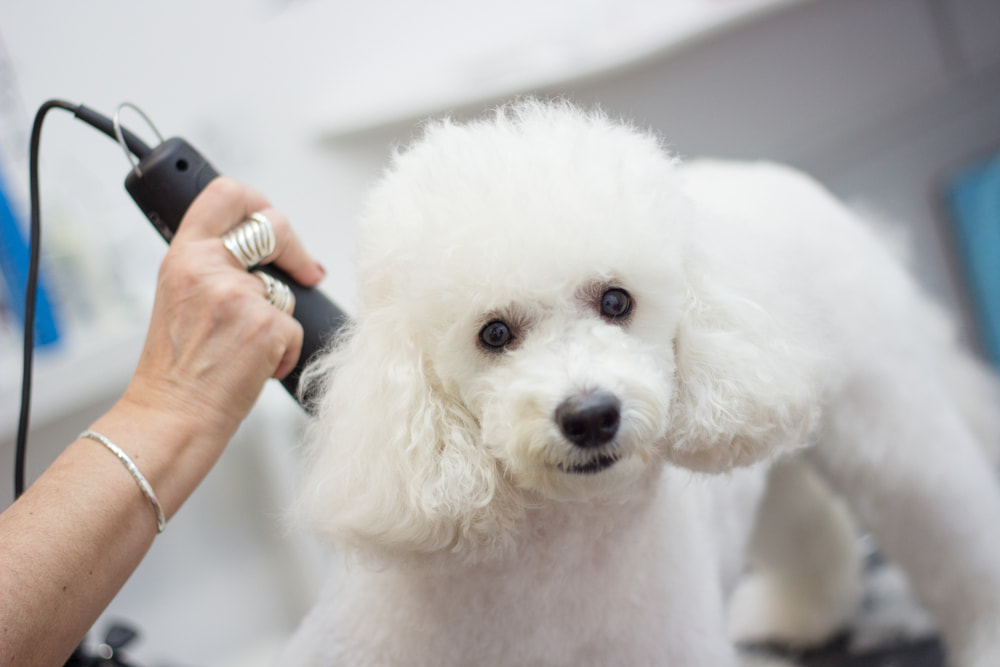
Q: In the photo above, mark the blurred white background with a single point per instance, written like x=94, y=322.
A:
x=881, y=99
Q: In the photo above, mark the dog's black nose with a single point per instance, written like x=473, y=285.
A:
x=589, y=420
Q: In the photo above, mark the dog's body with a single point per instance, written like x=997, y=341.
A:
x=555, y=320
x=591, y=584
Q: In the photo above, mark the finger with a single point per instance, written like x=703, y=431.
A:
x=279, y=294
x=291, y=332
x=221, y=205
x=289, y=252
x=285, y=330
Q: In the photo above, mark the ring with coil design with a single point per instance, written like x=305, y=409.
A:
x=278, y=293
x=252, y=241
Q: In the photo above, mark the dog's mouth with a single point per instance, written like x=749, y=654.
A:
x=593, y=466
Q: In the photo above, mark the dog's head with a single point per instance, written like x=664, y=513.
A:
x=534, y=321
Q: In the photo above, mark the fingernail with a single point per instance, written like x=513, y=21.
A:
x=322, y=271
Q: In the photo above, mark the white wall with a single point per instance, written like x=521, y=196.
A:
x=305, y=98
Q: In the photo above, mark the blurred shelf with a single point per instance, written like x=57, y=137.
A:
x=83, y=369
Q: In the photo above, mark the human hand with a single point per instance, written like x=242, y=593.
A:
x=213, y=340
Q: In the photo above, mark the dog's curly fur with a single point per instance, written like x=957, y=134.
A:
x=761, y=319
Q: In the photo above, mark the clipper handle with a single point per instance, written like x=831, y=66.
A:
x=165, y=183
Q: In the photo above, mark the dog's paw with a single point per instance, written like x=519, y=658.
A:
x=978, y=657
x=983, y=657
x=769, y=610
x=890, y=614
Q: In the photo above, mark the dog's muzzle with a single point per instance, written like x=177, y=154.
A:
x=589, y=421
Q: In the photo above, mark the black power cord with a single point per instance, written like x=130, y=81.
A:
x=137, y=148
x=30, y=293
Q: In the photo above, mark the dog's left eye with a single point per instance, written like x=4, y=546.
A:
x=495, y=335
x=616, y=304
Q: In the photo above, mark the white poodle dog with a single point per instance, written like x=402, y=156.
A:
x=563, y=333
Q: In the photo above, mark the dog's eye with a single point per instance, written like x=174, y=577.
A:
x=616, y=304
x=495, y=335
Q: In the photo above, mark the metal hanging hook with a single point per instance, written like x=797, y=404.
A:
x=121, y=138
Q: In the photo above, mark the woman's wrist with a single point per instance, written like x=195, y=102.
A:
x=172, y=448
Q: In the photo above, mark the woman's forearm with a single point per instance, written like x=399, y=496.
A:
x=68, y=545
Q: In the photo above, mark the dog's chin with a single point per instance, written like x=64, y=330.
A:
x=598, y=463
x=604, y=475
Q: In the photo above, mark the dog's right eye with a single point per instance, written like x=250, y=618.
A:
x=616, y=304
x=496, y=335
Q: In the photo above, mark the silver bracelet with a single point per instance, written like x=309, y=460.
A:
x=144, y=486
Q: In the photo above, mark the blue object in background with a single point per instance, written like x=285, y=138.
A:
x=974, y=199
x=14, y=264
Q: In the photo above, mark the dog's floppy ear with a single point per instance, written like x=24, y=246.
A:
x=393, y=462
x=745, y=387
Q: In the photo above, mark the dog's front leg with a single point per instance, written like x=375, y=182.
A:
x=914, y=474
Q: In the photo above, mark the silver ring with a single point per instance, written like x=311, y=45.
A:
x=278, y=293
x=252, y=241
